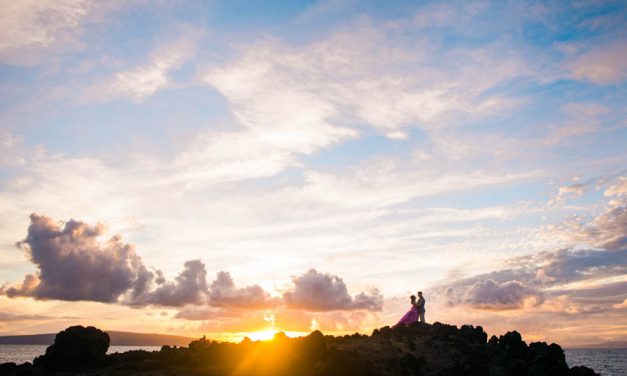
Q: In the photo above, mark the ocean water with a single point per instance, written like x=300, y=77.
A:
x=607, y=362
x=26, y=353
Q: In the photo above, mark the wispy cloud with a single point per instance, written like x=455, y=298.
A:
x=603, y=65
x=554, y=284
x=143, y=81
x=28, y=28
x=371, y=73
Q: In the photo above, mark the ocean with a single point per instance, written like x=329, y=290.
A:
x=26, y=353
x=606, y=362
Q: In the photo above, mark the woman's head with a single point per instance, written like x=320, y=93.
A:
x=413, y=298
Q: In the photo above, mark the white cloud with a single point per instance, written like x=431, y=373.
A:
x=388, y=181
x=145, y=80
x=29, y=27
x=618, y=189
x=371, y=73
x=213, y=157
x=568, y=192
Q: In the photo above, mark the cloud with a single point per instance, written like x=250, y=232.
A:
x=618, y=189
x=622, y=305
x=30, y=27
x=489, y=294
x=203, y=313
x=603, y=65
x=12, y=317
x=589, y=277
x=223, y=293
x=566, y=266
x=145, y=80
x=540, y=279
x=608, y=230
x=371, y=74
x=189, y=287
x=396, y=181
x=218, y=157
x=316, y=291
x=74, y=265
x=11, y=150
x=568, y=192
x=581, y=119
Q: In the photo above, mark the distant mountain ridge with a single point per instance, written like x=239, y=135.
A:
x=117, y=339
x=603, y=345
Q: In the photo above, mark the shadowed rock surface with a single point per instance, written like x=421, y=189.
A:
x=76, y=347
x=417, y=349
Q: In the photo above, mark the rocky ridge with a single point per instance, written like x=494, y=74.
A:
x=417, y=349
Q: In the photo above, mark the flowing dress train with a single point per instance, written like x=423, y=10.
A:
x=409, y=317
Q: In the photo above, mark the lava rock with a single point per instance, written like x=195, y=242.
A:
x=76, y=346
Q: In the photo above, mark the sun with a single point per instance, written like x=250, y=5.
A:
x=262, y=335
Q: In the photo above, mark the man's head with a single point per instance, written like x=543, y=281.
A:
x=420, y=294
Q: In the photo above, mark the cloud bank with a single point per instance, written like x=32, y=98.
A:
x=569, y=280
x=75, y=265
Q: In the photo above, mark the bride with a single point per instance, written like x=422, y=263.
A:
x=411, y=315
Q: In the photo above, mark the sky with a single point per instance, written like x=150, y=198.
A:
x=226, y=168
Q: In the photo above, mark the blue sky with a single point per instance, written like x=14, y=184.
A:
x=442, y=146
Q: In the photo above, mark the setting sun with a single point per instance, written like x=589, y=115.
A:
x=262, y=335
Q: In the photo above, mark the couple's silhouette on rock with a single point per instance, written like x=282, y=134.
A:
x=416, y=312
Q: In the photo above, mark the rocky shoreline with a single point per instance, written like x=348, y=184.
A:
x=416, y=349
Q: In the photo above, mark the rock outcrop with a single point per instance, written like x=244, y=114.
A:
x=417, y=349
x=76, y=347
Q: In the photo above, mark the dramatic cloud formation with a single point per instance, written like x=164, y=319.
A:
x=324, y=292
x=73, y=265
x=189, y=287
x=223, y=292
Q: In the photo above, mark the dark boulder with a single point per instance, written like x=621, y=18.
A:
x=76, y=346
x=546, y=359
x=8, y=369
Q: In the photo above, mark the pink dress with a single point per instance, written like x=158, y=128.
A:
x=409, y=317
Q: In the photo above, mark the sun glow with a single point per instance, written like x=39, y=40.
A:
x=268, y=334
x=262, y=335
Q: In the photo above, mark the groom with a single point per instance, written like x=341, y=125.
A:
x=421, y=307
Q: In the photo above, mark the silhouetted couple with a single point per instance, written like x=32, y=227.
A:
x=416, y=312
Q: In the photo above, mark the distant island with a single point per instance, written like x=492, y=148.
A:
x=117, y=339
x=414, y=350
x=603, y=345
